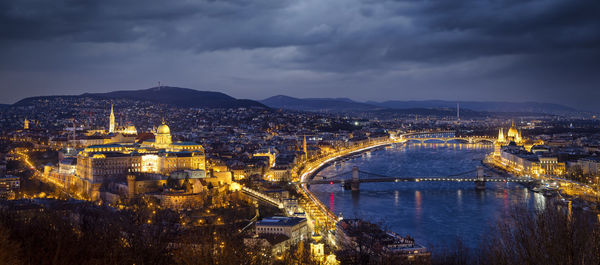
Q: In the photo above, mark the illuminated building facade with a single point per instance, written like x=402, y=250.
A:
x=513, y=135
x=162, y=136
x=98, y=163
x=190, y=194
x=304, y=149
x=9, y=184
x=114, y=128
x=590, y=166
x=271, y=155
x=550, y=165
x=513, y=152
x=520, y=161
x=111, y=123
x=295, y=228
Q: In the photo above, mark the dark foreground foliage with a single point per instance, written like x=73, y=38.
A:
x=549, y=236
x=84, y=233
x=62, y=232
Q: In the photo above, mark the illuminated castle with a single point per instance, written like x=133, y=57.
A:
x=106, y=162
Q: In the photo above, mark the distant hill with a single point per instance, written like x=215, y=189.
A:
x=447, y=112
x=489, y=106
x=176, y=96
x=418, y=107
x=339, y=105
x=318, y=104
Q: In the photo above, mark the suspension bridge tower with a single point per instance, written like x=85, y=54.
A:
x=480, y=180
x=355, y=179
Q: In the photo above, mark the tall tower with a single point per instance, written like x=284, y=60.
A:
x=458, y=111
x=26, y=124
x=305, y=149
x=111, y=125
x=501, y=136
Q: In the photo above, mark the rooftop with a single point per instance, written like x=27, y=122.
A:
x=185, y=143
x=104, y=146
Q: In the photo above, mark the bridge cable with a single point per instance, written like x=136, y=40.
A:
x=386, y=176
x=331, y=177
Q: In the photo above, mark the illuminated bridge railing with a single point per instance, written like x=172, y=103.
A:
x=445, y=137
x=419, y=179
x=366, y=177
x=419, y=135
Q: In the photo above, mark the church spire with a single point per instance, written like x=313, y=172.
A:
x=111, y=125
x=305, y=149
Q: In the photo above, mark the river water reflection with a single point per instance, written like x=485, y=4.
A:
x=434, y=213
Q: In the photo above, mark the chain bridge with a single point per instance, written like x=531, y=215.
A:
x=352, y=179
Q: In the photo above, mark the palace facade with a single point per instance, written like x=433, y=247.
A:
x=106, y=162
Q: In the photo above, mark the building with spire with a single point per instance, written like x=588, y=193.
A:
x=499, y=142
x=514, y=134
x=501, y=138
x=111, y=124
x=26, y=124
x=113, y=127
x=107, y=162
x=305, y=149
x=513, y=152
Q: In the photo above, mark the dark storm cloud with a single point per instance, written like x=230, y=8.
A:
x=365, y=32
x=114, y=20
x=464, y=45
x=450, y=31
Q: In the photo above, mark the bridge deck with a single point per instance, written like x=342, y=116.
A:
x=419, y=179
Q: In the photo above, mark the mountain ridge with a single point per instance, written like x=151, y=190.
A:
x=492, y=106
x=317, y=104
x=177, y=96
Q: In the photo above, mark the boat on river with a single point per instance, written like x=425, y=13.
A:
x=536, y=189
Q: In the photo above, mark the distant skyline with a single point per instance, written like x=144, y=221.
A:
x=463, y=50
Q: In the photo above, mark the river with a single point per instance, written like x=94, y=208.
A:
x=436, y=214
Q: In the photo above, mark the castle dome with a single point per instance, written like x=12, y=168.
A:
x=163, y=129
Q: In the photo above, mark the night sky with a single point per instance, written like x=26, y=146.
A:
x=508, y=50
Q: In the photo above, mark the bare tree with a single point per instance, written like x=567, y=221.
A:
x=550, y=236
x=10, y=250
